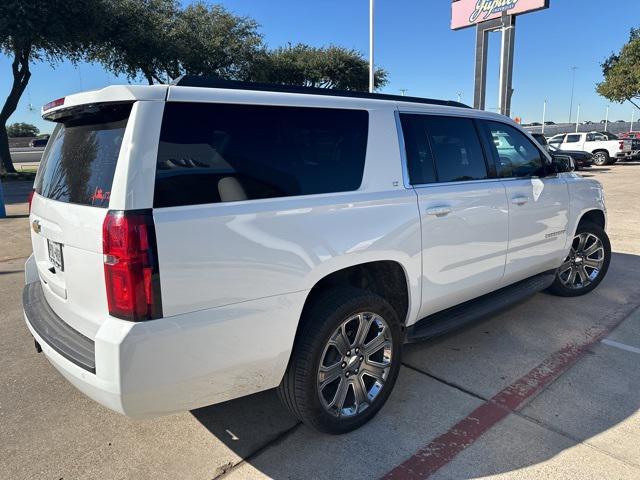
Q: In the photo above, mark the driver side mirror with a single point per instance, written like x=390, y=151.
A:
x=562, y=164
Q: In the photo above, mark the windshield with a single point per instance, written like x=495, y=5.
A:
x=80, y=162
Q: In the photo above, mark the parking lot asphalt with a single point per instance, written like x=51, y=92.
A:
x=547, y=389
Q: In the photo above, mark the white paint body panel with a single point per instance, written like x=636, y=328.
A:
x=235, y=275
x=463, y=251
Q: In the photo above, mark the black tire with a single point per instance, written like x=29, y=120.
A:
x=601, y=158
x=299, y=390
x=559, y=288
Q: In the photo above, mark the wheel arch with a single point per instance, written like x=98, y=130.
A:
x=387, y=278
x=595, y=216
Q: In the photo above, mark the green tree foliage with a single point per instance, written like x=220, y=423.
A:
x=38, y=30
x=22, y=130
x=323, y=67
x=138, y=38
x=161, y=41
x=622, y=73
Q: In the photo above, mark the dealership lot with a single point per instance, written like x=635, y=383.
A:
x=546, y=389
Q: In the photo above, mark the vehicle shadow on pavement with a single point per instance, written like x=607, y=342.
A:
x=447, y=378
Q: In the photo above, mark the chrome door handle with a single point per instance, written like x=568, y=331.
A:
x=440, y=211
x=519, y=200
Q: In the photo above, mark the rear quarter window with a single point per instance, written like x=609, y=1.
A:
x=211, y=153
x=80, y=161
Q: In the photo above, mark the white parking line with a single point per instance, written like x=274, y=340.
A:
x=621, y=346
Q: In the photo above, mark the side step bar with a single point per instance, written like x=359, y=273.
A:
x=481, y=307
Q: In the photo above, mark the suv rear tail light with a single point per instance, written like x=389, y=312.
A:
x=621, y=144
x=30, y=198
x=131, y=269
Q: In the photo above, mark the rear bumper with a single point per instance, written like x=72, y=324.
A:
x=627, y=155
x=176, y=363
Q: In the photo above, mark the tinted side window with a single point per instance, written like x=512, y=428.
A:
x=573, y=138
x=556, y=139
x=516, y=155
x=211, y=153
x=450, y=144
x=419, y=158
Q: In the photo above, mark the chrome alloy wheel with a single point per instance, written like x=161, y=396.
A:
x=584, y=263
x=355, y=364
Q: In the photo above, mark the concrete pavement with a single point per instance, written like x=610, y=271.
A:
x=582, y=424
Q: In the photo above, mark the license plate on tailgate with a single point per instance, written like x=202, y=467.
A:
x=55, y=254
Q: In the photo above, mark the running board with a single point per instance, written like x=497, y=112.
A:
x=481, y=307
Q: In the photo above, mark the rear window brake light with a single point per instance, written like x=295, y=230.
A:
x=56, y=103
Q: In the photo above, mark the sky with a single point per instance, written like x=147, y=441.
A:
x=414, y=43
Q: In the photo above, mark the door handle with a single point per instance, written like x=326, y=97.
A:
x=439, y=211
x=519, y=200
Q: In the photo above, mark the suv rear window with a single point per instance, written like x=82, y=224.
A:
x=81, y=156
x=210, y=153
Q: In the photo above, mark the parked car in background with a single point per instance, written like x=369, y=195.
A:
x=609, y=135
x=604, y=150
x=580, y=159
x=621, y=121
x=535, y=124
x=629, y=135
x=39, y=141
x=206, y=240
x=549, y=123
x=587, y=122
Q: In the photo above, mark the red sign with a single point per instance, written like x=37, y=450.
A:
x=466, y=13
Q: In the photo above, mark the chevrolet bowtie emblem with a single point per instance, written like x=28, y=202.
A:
x=36, y=226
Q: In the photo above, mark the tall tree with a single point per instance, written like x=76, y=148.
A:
x=160, y=41
x=210, y=40
x=138, y=38
x=22, y=130
x=622, y=73
x=36, y=30
x=323, y=67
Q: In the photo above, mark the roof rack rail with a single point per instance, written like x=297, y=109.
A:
x=213, y=82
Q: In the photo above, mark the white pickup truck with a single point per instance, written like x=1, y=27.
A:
x=604, y=151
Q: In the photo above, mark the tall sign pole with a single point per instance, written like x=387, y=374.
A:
x=488, y=16
x=371, y=67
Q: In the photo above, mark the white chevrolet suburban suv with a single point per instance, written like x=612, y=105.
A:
x=205, y=240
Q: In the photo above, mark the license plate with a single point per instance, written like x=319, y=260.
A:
x=55, y=254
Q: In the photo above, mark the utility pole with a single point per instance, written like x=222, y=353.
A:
x=403, y=91
x=371, y=67
x=573, y=84
x=544, y=114
x=459, y=97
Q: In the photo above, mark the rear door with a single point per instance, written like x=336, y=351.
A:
x=72, y=194
x=463, y=211
x=573, y=141
x=538, y=203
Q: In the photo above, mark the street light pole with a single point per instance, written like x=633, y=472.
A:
x=633, y=112
x=371, y=68
x=403, y=91
x=544, y=114
x=578, y=118
x=606, y=119
x=573, y=84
